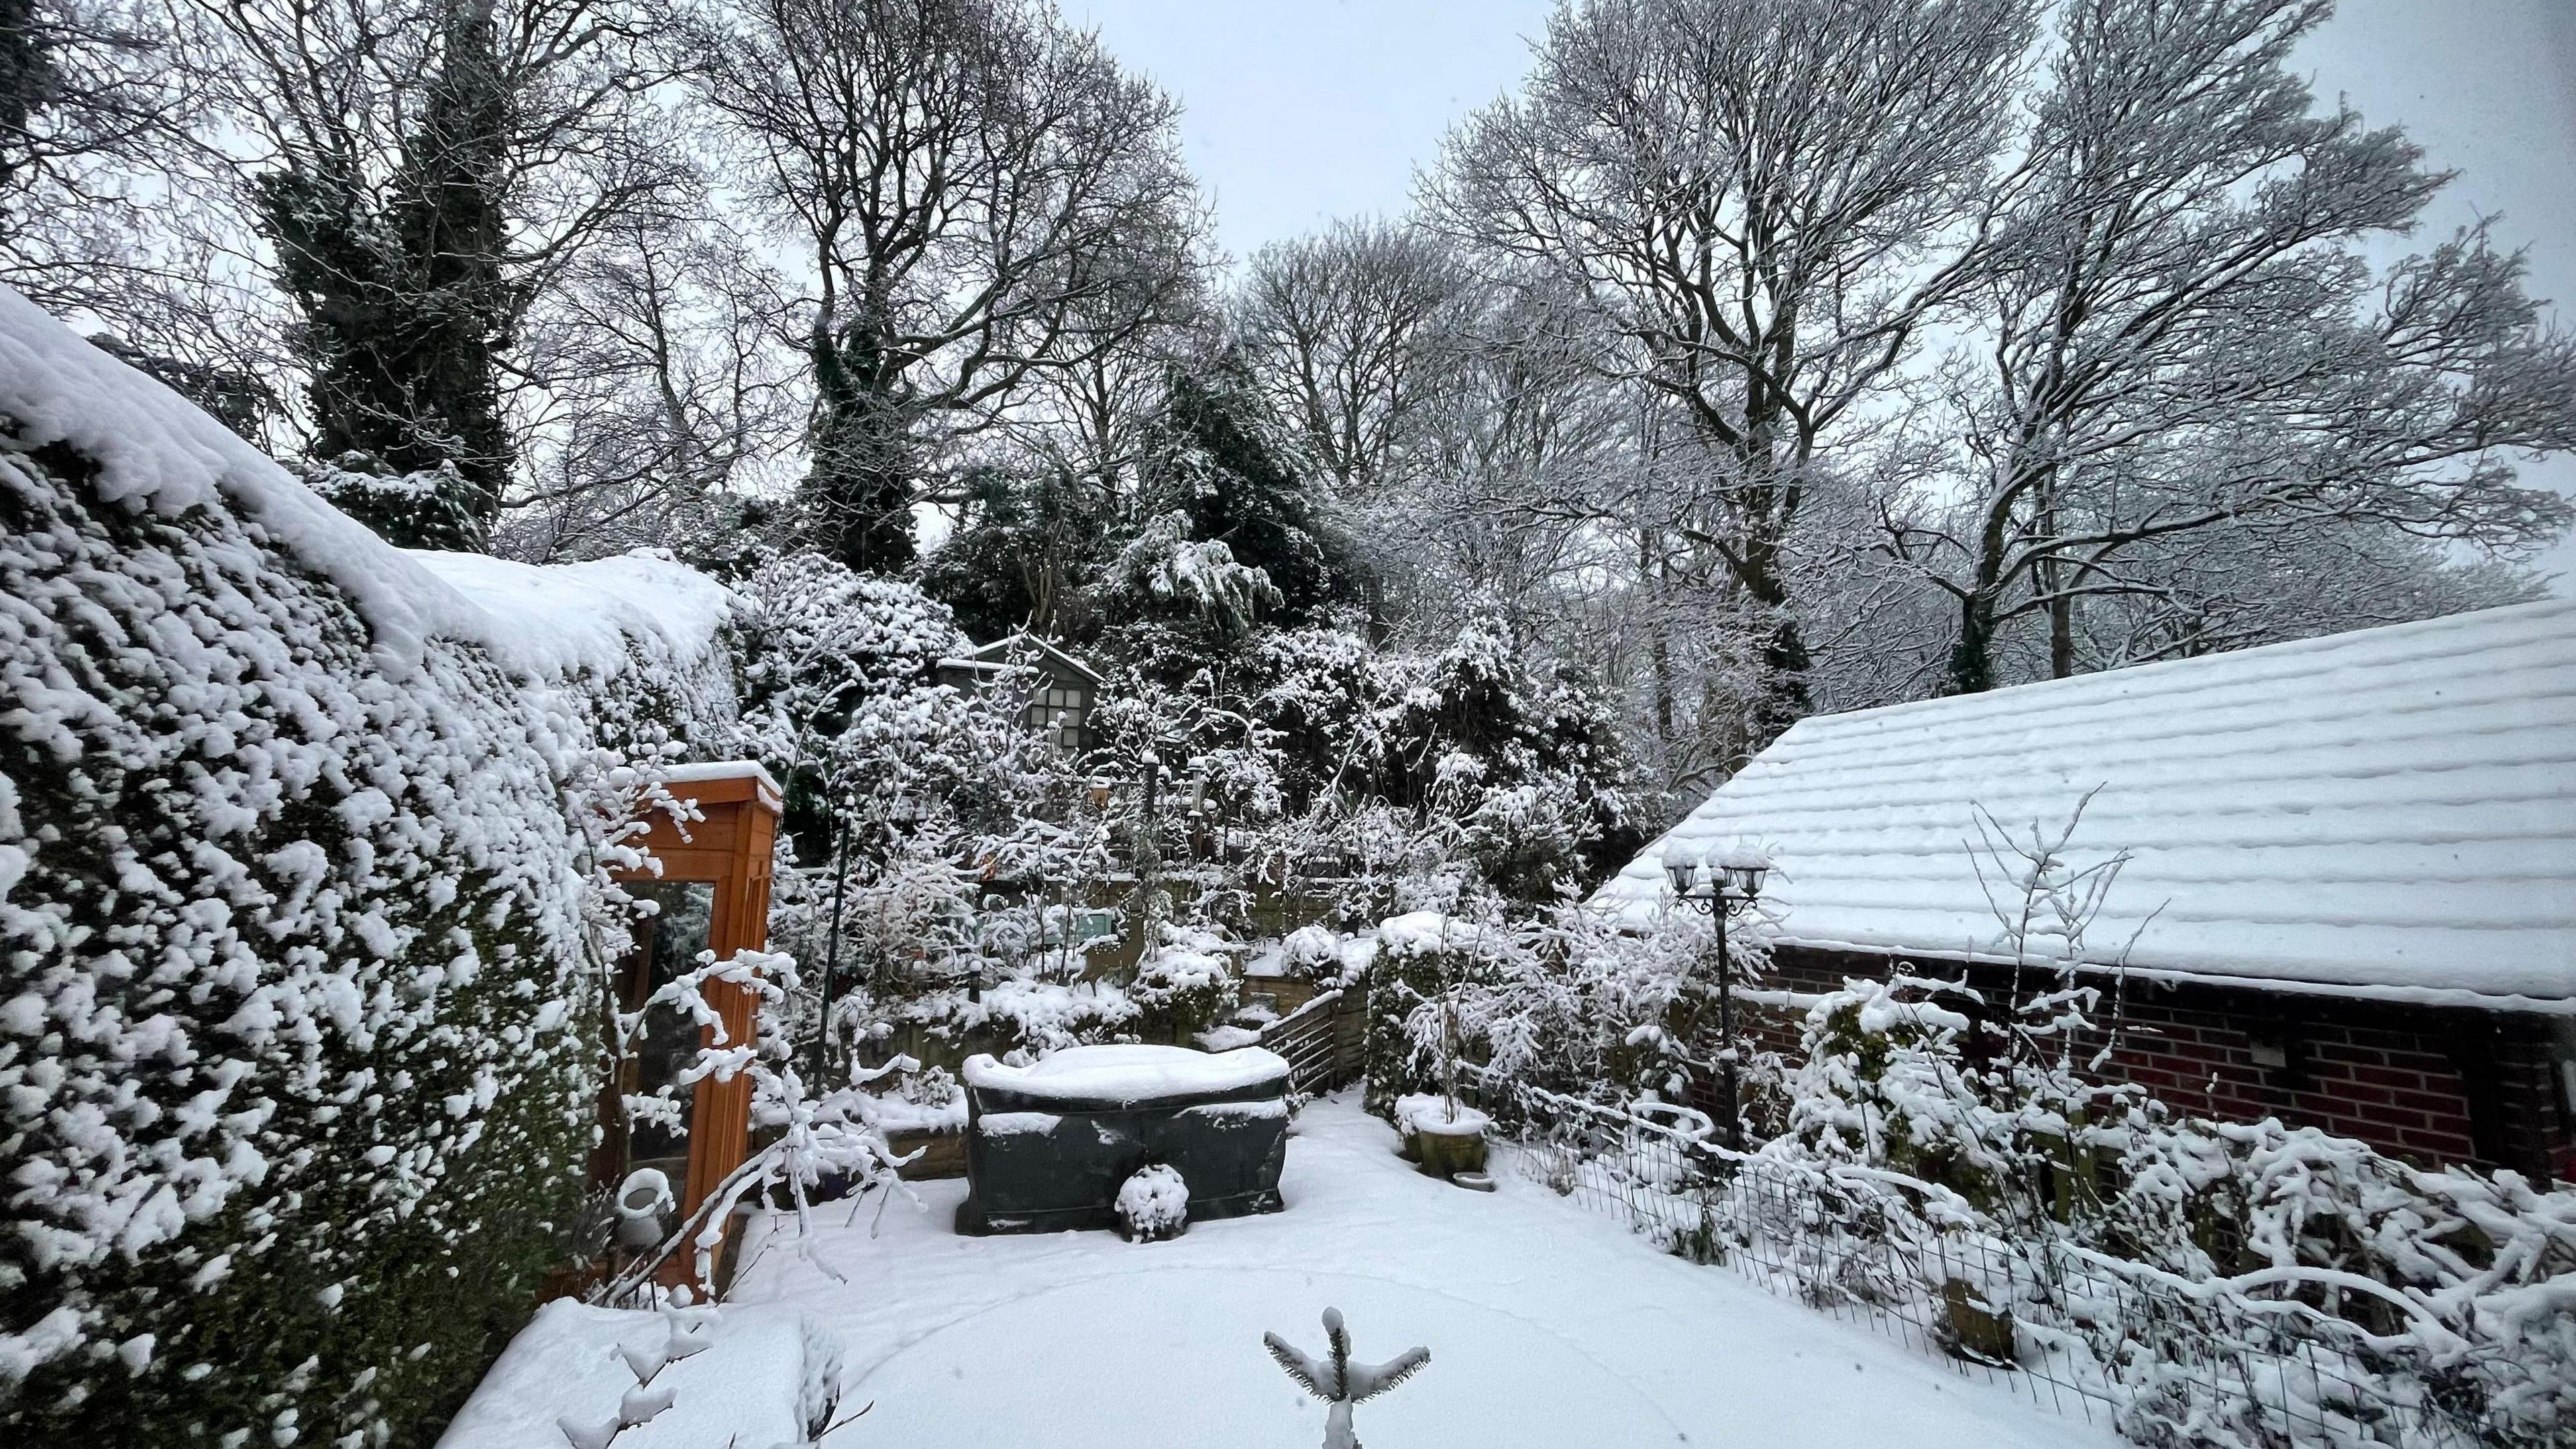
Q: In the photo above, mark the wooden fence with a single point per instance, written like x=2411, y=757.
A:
x=1321, y=1040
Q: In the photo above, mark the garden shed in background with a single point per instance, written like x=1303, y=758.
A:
x=1066, y=687
x=2350, y=894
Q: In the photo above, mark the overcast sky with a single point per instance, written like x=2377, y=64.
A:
x=1300, y=111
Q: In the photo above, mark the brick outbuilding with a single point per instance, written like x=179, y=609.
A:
x=2347, y=889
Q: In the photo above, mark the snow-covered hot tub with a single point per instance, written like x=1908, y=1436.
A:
x=1048, y=1145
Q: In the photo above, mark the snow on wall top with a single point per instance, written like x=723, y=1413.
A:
x=2390, y=812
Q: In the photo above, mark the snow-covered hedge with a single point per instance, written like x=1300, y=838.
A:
x=301, y=856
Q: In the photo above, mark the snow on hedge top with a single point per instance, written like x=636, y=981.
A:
x=2390, y=812
x=1129, y=1073
x=557, y=620
x=155, y=450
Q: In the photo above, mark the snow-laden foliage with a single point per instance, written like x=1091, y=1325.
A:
x=1483, y=765
x=937, y=828
x=2451, y=1287
x=1163, y=567
x=425, y=509
x=1561, y=1001
x=1185, y=982
x=302, y=886
x=1314, y=953
x=1153, y=1204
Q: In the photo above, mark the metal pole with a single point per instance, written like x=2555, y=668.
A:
x=1726, y=1023
x=832, y=950
x=1149, y=849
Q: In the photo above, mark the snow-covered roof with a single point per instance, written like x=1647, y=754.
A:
x=706, y=770
x=2388, y=813
x=1001, y=652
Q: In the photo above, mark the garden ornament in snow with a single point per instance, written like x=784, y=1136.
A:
x=689, y=1334
x=644, y=1204
x=1339, y=1382
x=1153, y=1203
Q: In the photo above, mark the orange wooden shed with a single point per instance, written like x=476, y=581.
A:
x=713, y=890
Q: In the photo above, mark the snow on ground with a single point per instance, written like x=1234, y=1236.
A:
x=1547, y=1324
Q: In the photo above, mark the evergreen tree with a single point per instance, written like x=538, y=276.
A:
x=1211, y=462
x=404, y=308
x=1023, y=557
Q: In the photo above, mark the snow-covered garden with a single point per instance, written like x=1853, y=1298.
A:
x=708, y=737
x=1547, y=1324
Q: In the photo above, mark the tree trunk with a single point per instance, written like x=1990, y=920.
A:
x=856, y=501
x=1972, y=658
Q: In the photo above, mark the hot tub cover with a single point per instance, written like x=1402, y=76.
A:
x=1126, y=1075
x=1048, y=1146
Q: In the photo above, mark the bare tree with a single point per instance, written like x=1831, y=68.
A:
x=962, y=175
x=2184, y=337
x=2212, y=590
x=418, y=172
x=1765, y=200
x=658, y=394
x=1349, y=334
x=86, y=90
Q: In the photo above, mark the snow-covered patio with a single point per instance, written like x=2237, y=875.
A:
x=1547, y=1325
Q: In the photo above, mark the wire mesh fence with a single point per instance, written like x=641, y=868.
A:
x=2161, y=1361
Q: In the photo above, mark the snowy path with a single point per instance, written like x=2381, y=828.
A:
x=1547, y=1325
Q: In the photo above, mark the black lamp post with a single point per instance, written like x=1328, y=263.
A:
x=1733, y=882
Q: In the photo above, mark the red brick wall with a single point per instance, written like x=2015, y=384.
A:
x=2434, y=1085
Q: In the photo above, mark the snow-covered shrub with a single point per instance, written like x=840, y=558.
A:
x=806, y=1135
x=1196, y=577
x=429, y=509
x=1315, y=953
x=301, y=869
x=2475, y=1273
x=1025, y=1014
x=1153, y=1204
x=1184, y=983
x=1405, y=1042
x=1903, y=1075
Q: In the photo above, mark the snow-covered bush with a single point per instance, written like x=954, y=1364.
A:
x=1406, y=1044
x=427, y=509
x=2456, y=1288
x=1317, y=954
x=1025, y=1014
x=302, y=875
x=842, y=702
x=1153, y=1204
x=1184, y=983
x=1196, y=577
x=806, y=1135
x=1564, y=1001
